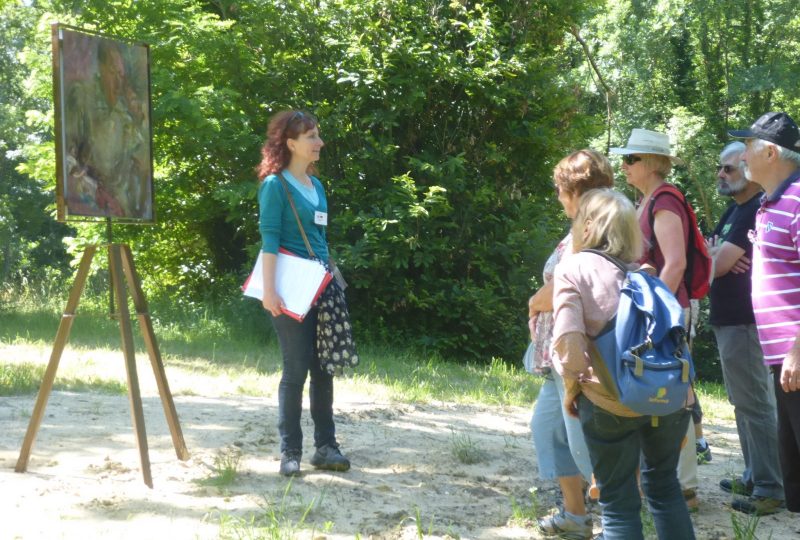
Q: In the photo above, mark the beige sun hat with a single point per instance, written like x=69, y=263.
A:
x=644, y=141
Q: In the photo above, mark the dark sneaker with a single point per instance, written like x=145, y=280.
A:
x=735, y=486
x=329, y=458
x=703, y=453
x=290, y=463
x=563, y=527
x=759, y=506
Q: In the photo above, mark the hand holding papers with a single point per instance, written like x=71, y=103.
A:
x=298, y=281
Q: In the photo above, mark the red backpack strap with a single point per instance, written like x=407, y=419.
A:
x=693, y=243
x=663, y=189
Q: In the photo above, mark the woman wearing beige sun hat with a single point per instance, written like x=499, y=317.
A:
x=647, y=161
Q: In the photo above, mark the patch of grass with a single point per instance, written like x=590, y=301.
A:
x=236, y=343
x=420, y=530
x=509, y=441
x=418, y=522
x=20, y=378
x=730, y=473
x=280, y=520
x=411, y=379
x=205, y=341
x=235, y=332
x=744, y=527
x=94, y=384
x=225, y=468
x=526, y=514
x=25, y=378
x=465, y=449
x=714, y=400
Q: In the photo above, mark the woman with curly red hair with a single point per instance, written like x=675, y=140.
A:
x=292, y=147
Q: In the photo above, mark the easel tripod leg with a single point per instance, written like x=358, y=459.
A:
x=62, y=336
x=143, y=314
x=134, y=394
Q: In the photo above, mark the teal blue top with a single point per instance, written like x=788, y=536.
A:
x=309, y=193
x=277, y=223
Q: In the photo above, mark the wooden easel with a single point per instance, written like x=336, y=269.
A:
x=120, y=260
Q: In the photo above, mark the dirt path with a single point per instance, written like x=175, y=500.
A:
x=84, y=479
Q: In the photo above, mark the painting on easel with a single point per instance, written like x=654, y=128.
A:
x=104, y=162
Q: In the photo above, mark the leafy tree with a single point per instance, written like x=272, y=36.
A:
x=695, y=68
x=443, y=121
x=30, y=239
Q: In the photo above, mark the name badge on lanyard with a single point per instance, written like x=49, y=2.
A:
x=321, y=218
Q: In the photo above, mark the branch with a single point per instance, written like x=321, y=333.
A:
x=575, y=31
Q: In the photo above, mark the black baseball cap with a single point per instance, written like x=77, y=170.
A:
x=775, y=127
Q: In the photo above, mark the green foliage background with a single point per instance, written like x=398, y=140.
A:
x=443, y=120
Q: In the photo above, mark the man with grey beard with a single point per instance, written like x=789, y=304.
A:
x=747, y=379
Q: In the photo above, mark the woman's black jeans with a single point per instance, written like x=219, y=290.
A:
x=298, y=341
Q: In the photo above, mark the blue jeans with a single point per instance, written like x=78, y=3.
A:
x=557, y=437
x=750, y=391
x=298, y=341
x=617, y=446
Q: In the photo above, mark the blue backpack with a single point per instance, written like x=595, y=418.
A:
x=644, y=347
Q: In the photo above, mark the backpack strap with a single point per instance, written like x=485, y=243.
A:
x=674, y=192
x=668, y=189
x=618, y=263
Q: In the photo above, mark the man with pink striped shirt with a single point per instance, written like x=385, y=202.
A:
x=772, y=159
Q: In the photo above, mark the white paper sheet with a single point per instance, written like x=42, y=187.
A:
x=298, y=282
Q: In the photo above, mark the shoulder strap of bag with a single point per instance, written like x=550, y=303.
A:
x=296, y=216
x=619, y=264
x=666, y=189
x=691, y=240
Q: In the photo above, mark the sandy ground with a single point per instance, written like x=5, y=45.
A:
x=84, y=478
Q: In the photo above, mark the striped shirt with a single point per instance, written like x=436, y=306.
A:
x=776, y=270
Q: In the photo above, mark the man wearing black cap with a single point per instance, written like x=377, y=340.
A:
x=772, y=159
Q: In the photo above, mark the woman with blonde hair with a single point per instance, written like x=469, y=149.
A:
x=586, y=298
x=560, y=449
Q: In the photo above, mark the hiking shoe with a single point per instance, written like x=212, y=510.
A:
x=703, y=453
x=759, y=506
x=290, y=463
x=564, y=527
x=735, y=486
x=692, y=500
x=329, y=458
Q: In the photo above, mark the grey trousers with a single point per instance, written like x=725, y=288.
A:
x=750, y=391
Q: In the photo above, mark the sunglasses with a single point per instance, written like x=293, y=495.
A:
x=727, y=168
x=630, y=159
x=298, y=115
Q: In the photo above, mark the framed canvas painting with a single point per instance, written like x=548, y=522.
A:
x=104, y=163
